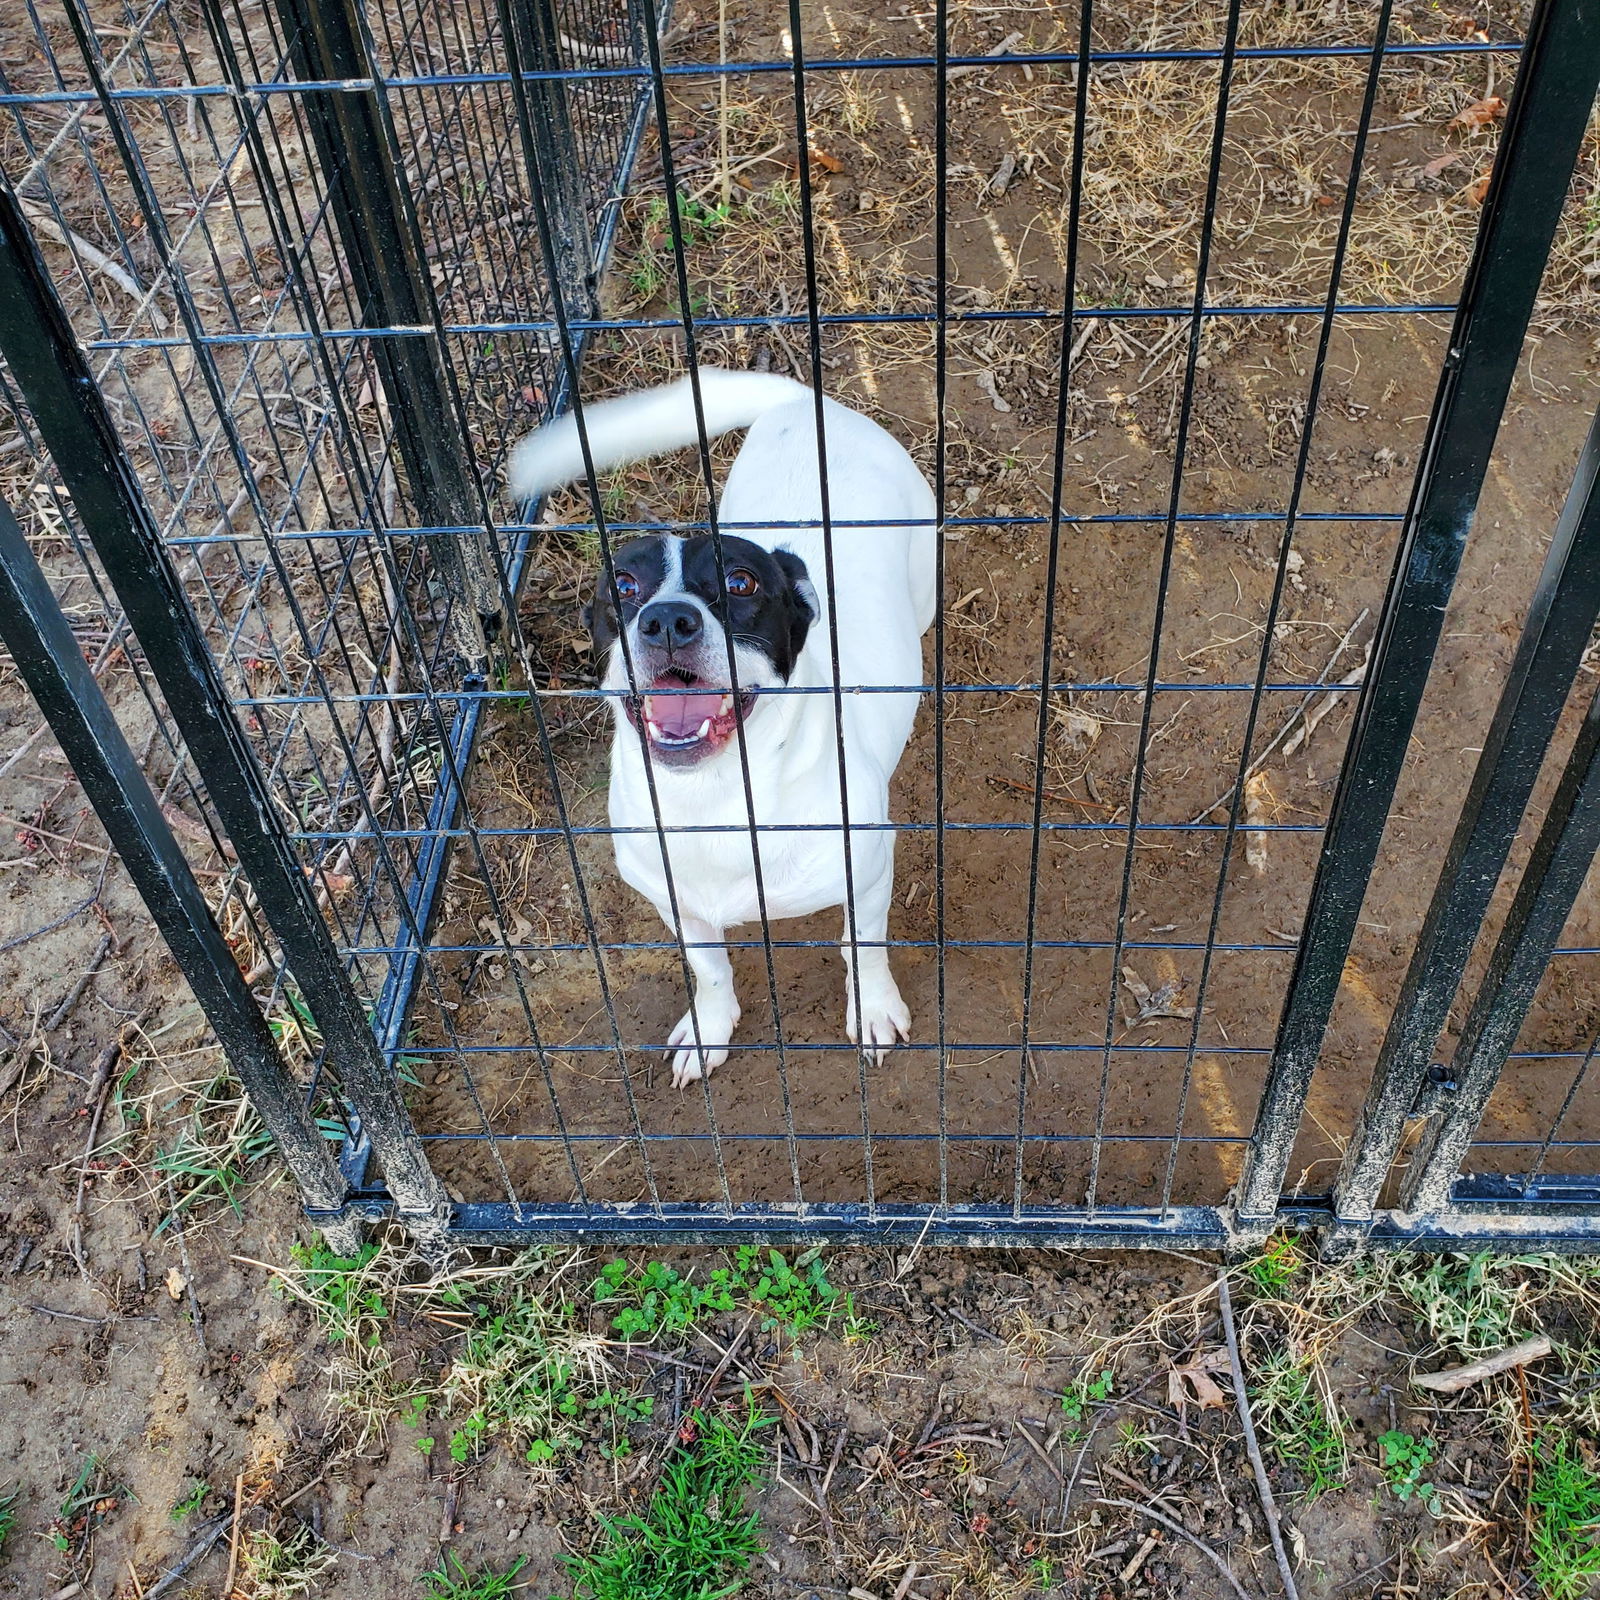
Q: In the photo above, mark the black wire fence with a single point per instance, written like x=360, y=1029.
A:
x=1203, y=331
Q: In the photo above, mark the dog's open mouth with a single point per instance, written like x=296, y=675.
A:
x=682, y=714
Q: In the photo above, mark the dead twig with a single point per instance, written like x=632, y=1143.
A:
x=233, y=1537
x=96, y=1097
x=1308, y=725
x=907, y=1578
x=1032, y=791
x=1183, y=1533
x=188, y=1269
x=75, y=993
x=728, y=1356
x=1292, y=721
x=447, y=1521
x=69, y=1316
x=1043, y=1454
x=1242, y=1403
x=90, y=254
x=1455, y=1379
x=175, y=1574
x=65, y=917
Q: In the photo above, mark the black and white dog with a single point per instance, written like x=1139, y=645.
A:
x=680, y=701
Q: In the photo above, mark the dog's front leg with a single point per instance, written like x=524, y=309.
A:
x=884, y=1016
x=699, y=1042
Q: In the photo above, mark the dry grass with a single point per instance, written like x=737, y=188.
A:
x=1150, y=125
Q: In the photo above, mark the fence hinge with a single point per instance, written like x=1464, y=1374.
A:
x=1434, y=1092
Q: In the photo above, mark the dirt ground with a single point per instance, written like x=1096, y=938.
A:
x=162, y=1353
x=928, y=1451
x=1172, y=1119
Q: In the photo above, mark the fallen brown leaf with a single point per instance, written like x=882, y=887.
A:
x=1477, y=189
x=1154, y=1003
x=1479, y=114
x=176, y=1283
x=827, y=162
x=1191, y=1381
x=1439, y=163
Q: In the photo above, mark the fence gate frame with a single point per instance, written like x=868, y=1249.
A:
x=1436, y=1207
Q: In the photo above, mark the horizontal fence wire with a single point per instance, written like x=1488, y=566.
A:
x=452, y=815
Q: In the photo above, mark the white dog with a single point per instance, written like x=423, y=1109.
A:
x=678, y=704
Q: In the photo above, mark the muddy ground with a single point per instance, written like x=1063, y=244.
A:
x=1166, y=1112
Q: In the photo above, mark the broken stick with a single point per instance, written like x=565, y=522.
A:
x=1455, y=1379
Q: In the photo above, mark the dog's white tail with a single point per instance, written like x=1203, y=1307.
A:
x=638, y=426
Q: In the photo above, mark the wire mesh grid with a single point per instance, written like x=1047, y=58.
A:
x=1030, y=252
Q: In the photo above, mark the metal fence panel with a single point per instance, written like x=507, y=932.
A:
x=290, y=470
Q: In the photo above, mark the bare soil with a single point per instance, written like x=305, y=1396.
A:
x=1171, y=1111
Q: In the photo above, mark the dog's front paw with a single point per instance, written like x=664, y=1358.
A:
x=887, y=1020
x=696, y=1054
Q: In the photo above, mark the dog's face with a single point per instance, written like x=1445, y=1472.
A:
x=679, y=613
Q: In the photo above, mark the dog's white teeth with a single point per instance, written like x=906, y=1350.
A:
x=655, y=730
x=703, y=729
x=726, y=706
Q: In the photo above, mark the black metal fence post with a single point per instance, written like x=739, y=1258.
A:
x=559, y=170
x=1562, y=855
x=383, y=248
x=50, y=369
x=1560, y=625
x=1545, y=121
x=48, y=656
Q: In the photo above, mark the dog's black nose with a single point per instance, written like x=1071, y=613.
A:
x=669, y=623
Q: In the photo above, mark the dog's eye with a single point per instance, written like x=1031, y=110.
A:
x=742, y=585
x=627, y=586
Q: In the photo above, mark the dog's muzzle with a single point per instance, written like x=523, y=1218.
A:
x=686, y=717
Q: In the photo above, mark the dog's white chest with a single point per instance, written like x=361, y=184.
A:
x=713, y=859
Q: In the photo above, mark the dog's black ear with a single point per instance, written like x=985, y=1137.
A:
x=801, y=599
x=600, y=620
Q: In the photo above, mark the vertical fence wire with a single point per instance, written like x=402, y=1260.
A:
x=1191, y=369
x=1058, y=469
x=1369, y=100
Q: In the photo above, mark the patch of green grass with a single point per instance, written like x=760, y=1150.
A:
x=191, y=1502
x=783, y=196
x=656, y=1299
x=614, y=500
x=1566, y=1518
x=695, y=1538
x=1301, y=1422
x=1472, y=1304
x=8, y=1517
x=274, y=1568
x=529, y=1371
x=1404, y=1458
x=1275, y=1268
x=220, y=1144
x=93, y=1495
x=452, y=1580
x=699, y=222
x=340, y=1291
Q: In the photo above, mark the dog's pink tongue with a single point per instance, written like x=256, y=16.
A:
x=679, y=715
